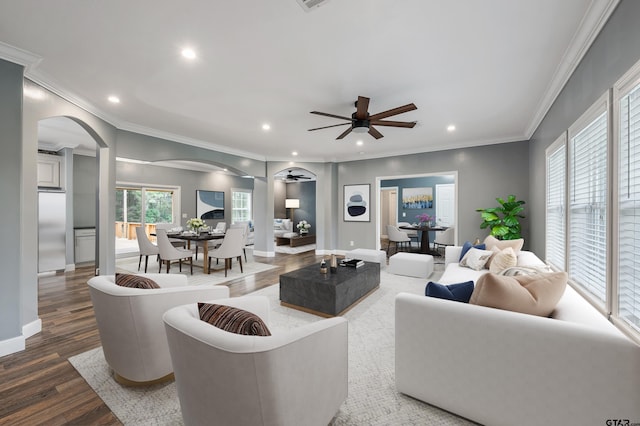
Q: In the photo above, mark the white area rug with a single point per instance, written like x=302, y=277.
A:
x=199, y=277
x=372, y=400
x=294, y=250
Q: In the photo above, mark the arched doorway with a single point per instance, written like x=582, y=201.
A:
x=67, y=182
x=294, y=203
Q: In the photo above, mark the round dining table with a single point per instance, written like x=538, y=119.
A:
x=425, y=246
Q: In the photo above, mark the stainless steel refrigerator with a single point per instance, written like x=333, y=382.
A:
x=51, y=231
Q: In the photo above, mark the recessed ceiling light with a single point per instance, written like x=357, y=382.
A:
x=114, y=99
x=188, y=53
x=359, y=143
x=266, y=126
x=294, y=153
x=451, y=128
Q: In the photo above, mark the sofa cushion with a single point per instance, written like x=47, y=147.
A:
x=535, y=294
x=135, y=281
x=233, y=320
x=467, y=245
x=492, y=242
x=502, y=259
x=476, y=258
x=460, y=292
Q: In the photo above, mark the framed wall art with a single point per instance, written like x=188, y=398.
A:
x=357, y=206
x=209, y=204
x=417, y=198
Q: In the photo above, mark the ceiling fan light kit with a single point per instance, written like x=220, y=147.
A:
x=362, y=122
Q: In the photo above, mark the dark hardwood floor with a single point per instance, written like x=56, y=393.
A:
x=39, y=385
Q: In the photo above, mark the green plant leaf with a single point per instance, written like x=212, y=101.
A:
x=499, y=231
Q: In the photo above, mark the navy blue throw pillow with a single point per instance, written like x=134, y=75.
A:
x=467, y=245
x=459, y=292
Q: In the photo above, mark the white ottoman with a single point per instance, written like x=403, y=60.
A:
x=411, y=264
x=368, y=255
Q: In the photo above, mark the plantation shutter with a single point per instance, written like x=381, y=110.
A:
x=629, y=209
x=588, y=206
x=555, y=221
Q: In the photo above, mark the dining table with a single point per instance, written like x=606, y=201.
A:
x=203, y=237
x=425, y=245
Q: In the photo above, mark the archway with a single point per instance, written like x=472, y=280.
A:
x=67, y=196
x=295, y=200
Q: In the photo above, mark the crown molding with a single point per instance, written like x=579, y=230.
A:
x=590, y=26
x=19, y=56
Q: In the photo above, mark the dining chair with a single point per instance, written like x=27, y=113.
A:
x=396, y=236
x=444, y=238
x=168, y=252
x=214, y=244
x=172, y=226
x=410, y=233
x=231, y=248
x=245, y=228
x=145, y=247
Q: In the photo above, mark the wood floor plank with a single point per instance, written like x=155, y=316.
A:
x=39, y=386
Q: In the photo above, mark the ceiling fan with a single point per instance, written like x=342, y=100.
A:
x=291, y=176
x=361, y=121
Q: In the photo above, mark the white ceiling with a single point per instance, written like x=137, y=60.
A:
x=491, y=68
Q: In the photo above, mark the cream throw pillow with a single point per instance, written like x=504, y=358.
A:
x=491, y=242
x=475, y=258
x=502, y=259
x=535, y=294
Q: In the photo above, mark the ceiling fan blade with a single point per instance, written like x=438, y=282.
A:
x=394, y=111
x=326, y=127
x=346, y=132
x=376, y=134
x=331, y=115
x=362, y=106
x=409, y=124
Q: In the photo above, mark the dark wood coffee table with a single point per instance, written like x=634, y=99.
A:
x=296, y=241
x=329, y=294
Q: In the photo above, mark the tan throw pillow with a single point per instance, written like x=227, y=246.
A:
x=475, y=258
x=492, y=242
x=135, y=281
x=502, y=260
x=233, y=320
x=535, y=294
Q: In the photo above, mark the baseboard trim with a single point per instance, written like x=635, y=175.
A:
x=34, y=327
x=264, y=253
x=13, y=345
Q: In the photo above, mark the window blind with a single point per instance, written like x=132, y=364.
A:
x=629, y=209
x=588, y=207
x=555, y=222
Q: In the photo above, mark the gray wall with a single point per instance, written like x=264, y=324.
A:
x=11, y=76
x=484, y=173
x=279, y=197
x=85, y=182
x=615, y=50
x=417, y=182
x=188, y=180
x=306, y=193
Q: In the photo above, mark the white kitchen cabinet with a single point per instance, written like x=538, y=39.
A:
x=49, y=171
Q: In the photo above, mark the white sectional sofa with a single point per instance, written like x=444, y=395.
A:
x=498, y=367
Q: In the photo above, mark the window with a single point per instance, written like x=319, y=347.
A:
x=628, y=279
x=587, y=200
x=241, y=205
x=556, y=188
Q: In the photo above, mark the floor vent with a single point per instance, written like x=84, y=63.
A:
x=309, y=5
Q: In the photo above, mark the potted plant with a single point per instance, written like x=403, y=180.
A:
x=195, y=224
x=503, y=221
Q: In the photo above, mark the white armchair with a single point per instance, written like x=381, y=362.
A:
x=130, y=323
x=396, y=236
x=289, y=378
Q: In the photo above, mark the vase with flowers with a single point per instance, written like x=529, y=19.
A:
x=424, y=219
x=195, y=224
x=303, y=227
